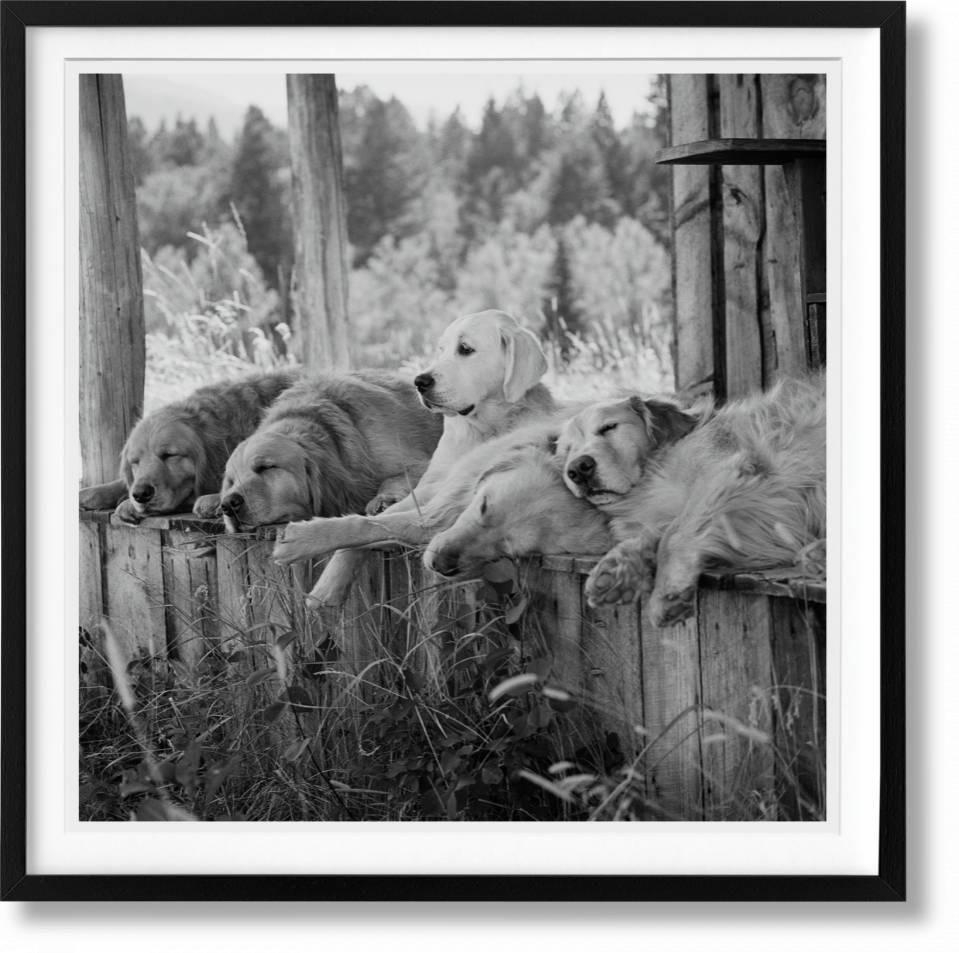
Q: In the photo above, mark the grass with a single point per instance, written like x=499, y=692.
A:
x=417, y=701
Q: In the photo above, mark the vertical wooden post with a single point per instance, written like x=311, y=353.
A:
x=793, y=107
x=112, y=349
x=743, y=226
x=319, y=218
x=693, y=278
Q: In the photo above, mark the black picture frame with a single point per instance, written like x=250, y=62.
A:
x=890, y=882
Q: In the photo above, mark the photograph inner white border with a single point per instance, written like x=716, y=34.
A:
x=844, y=844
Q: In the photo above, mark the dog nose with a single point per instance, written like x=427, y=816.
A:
x=445, y=561
x=231, y=502
x=423, y=382
x=581, y=469
x=143, y=493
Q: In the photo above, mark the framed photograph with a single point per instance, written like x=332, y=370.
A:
x=460, y=397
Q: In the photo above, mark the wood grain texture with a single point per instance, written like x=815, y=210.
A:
x=736, y=663
x=190, y=595
x=671, y=700
x=91, y=576
x=693, y=284
x=794, y=105
x=743, y=230
x=112, y=349
x=133, y=589
x=799, y=694
x=319, y=216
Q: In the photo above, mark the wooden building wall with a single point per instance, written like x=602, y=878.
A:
x=742, y=242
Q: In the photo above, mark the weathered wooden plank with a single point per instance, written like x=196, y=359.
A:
x=133, y=588
x=743, y=229
x=735, y=150
x=112, y=350
x=799, y=707
x=693, y=286
x=737, y=744
x=611, y=651
x=794, y=105
x=671, y=703
x=91, y=576
x=190, y=594
x=783, y=272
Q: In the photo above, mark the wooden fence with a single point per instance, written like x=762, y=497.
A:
x=727, y=707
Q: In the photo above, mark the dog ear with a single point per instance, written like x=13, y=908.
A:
x=525, y=361
x=665, y=422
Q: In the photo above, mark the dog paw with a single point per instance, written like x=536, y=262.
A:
x=207, y=507
x=671, y=608
x=297, y=542
x=615, y=580
x=380, y=502
x=126, y=512
x=98, y=498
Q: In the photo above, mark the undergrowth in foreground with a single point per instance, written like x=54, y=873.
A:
x=443, y=704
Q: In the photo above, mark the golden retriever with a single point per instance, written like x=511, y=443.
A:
x=740, y=489
x=519, y=506
x=484, y=382
x=416, y=527
x=177, y=454
x=330, y=445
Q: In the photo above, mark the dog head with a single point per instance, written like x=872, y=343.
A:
x=164, y=464
x=519, y=507
x=481, y=357
x=288, y=472
x=604, y=449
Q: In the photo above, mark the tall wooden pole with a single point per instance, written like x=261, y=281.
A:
x=112, y=348
x=322, y=338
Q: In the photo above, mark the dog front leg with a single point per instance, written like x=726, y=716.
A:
x=334, y=584
x=679, y=562
x=103, y=496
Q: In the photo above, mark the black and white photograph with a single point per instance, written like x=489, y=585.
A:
x=453, y=459
x=453, y=447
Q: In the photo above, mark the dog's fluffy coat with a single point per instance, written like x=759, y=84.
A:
x=743, y=488
x=179, y=451
x=331, y=445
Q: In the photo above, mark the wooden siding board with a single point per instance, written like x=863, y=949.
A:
x=672, y=700
x=692, y=236
x=91, y=576
x=736, y=660
x=133, y=588
x=743, y=228
x=799, y=679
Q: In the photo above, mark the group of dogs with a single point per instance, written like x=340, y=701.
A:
x=475, y=461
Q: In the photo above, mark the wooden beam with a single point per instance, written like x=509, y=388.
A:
x=112, y=349
x=741, y=152
x=321, y=335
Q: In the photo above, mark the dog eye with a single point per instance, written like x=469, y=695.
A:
x=483, y=507
x=263, y=467
x=606, y=429
x=465, y=350
x=168, y=455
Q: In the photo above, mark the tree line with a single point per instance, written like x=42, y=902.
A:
x=522, y=211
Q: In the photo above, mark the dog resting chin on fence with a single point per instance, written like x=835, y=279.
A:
x=519, y=507
x=175, y=456
x=740, y=489
x=332, y=444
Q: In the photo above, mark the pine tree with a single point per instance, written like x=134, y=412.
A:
x=257, y=190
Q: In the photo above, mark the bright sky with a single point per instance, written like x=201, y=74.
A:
x=153, y=97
